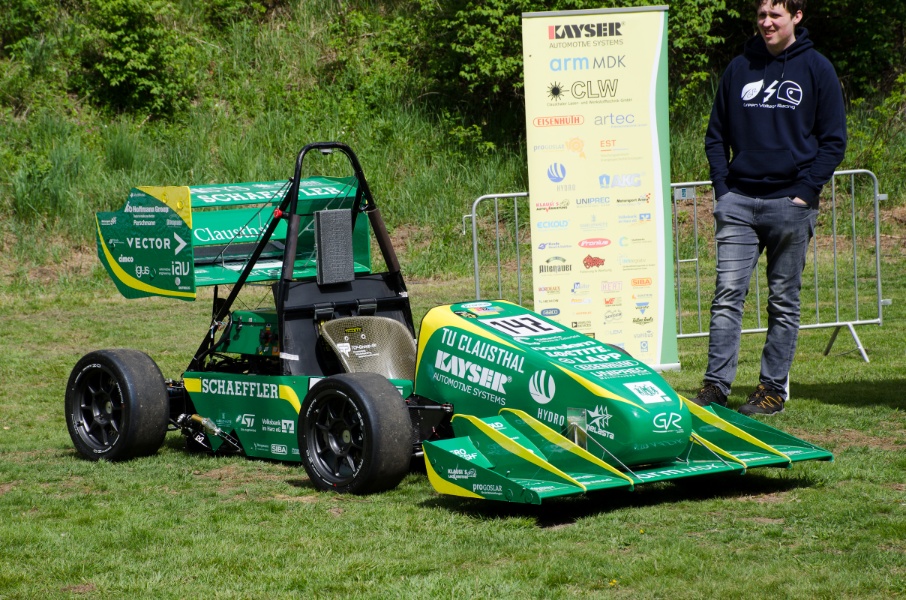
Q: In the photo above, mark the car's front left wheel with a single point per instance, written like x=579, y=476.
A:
x=355, y=434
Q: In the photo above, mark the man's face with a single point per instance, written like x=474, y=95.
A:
x=777, y=26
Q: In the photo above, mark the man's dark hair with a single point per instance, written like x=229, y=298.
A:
x=792, y=6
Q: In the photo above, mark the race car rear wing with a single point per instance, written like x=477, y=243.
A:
x=168, y=241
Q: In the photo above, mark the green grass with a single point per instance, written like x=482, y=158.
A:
x=178, y=525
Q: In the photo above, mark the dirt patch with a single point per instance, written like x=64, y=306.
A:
x=410, y=239
x=843, y=439
x=76, y=264
x=775, y=498
x=7, y=487
x=765, y=521
x=62, y=261
x=233, y=475
x=302, y=499
x=896, y=214
x=82, y=588
x=227, y=473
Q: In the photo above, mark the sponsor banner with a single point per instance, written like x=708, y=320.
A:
x=598, y=163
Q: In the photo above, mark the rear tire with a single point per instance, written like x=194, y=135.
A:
x=355, y=435
x=117, y=407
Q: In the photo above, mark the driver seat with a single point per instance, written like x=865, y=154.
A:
x=372, y=344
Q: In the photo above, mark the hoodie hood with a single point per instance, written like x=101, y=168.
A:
x=755, y=47
x=757, y=51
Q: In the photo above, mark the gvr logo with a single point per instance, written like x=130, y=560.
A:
x=667, y=422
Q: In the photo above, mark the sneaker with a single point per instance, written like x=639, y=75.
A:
x=762, y=402
x=710, y=394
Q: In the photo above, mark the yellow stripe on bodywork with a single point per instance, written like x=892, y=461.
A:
x=442, y=485
x=711, y=419
x=563, y=442
x=193, y=385
x=129, y=280
x=515, y=448
x=289, y=394
x=178, y=198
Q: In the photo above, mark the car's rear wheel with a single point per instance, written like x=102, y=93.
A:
x=116, y=405
x=355, y=435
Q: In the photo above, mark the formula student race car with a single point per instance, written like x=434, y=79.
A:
x=502, y=403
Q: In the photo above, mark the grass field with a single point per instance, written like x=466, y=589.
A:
x=178, y=525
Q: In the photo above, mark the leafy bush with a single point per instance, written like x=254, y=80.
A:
x=133, y=59
x=20, y=19
x=221, y=13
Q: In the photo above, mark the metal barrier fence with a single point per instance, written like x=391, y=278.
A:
x=517, y=244
x=843, y=272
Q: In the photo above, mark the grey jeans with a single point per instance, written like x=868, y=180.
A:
x=746, y=227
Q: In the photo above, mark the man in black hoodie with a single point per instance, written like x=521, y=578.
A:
x=777, y=132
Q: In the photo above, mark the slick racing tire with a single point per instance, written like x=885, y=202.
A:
x=355, y=435
x=116, y=405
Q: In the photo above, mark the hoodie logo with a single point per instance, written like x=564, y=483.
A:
x=790, y=92
x=751, y=90
x=787, y=92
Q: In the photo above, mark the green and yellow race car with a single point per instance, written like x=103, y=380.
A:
x=500, y=402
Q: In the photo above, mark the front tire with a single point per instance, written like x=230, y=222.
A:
x=117, y=406
x=355, y=435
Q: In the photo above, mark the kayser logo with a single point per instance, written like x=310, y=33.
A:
x=561, y=32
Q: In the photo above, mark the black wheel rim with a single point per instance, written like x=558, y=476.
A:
x=336, y=437
x=97, y=415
